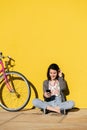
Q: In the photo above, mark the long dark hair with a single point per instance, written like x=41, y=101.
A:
x=54, y=67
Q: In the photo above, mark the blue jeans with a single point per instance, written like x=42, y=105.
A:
x=56, y=102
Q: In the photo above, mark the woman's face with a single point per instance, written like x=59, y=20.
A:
x=53, y=74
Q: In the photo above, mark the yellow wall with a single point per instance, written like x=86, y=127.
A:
x=37, y=33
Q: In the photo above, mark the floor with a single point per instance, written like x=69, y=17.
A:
x=35, y=119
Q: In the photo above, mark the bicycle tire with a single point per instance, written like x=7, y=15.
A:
x=17, y=100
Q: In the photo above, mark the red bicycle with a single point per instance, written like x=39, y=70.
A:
x=15, y=88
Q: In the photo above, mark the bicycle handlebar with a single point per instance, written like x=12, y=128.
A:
x=1, y=55
x=9, y=57
x=7, y=62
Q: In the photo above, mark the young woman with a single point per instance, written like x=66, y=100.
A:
x=53, y=89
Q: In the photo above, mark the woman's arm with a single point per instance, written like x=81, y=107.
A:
x=62, y=82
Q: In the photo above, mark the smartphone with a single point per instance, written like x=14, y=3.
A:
x=48, y=91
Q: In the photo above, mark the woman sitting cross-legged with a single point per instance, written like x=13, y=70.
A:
x=53, y=89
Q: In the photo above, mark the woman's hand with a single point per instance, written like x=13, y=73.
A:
x=47, y=94
x=60, y=73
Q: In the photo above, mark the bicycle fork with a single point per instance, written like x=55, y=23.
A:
x=11, y=89
x=8, y=84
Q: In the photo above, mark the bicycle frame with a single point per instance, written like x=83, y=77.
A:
x=3, y=73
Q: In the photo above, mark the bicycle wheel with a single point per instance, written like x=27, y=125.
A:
x=17, y=100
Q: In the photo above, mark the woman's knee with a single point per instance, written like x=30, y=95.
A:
x=72, y=103
x=35, y=102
